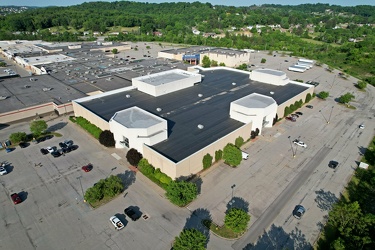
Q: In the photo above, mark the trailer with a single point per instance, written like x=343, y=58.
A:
x=307, y=65
x=302, y=60
x=297, y=69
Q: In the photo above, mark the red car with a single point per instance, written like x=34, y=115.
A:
x=290, y=118
x=87, y=168
x=16, y=198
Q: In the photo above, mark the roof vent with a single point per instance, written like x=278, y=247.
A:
x=200, y=95
x=200, y=126
x=127, y=96
x=158, y=109
x=233, y=83
x=272, y=92
x=47, y=89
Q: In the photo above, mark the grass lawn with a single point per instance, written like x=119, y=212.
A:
x=221, y=231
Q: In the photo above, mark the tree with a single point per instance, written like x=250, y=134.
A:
x=236, y=219
x=232, y=155
x=114, y=51
x=38, y=127
x=207, y=161
x=206, y=63
x=286, y=111
x=181, y=193
x=133, y=157
x=190, y=239
x=263, y=60
x=222, y=64
x=308, y=98
x=242, y=66
x=213, y=63
x=346, y=98
x=106, y=138
x=18, y=137
x=361, y=85
x=218, y=155
x=239, y=142
x=323, y=95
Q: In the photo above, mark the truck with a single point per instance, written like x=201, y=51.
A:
x=116, y=223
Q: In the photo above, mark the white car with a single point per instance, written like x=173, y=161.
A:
x=116, y=223
x=362, y=126
x=300, y=143
x=3, y=171
x=50, y=149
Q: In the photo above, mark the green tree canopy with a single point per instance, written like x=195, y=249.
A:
x=181, y=193
x=323, y=95
x=190, y=239
x=207, y=161
x=18, y=137
x=346, y=98
x=232, y=155
x=206, y=63
x=38, y=127
x=133, y=157
x=237, y=219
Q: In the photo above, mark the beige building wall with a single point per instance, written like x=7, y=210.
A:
x=90, y=116
x=34, y=111
x=229, y=60
x=193, y=164
x=281, y=108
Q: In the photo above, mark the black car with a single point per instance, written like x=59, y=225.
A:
x=66, y=150
x=309, y=106
x=56, y=154
x=44, y=151
x=62, y=145
x=129, y=211
x=299, y=211
x=73, y=147
x=41, y=139
x=299, y=113
x=23, y=144
x=333, y=164
x=47, y=137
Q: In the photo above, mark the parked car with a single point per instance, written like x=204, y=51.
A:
x=333, y=164
x=56, y=154
x=299, y=113
x=310, y=106
x=73, y=147
x=3, y=171
x=23, y=144
x=299, y=211
x=62, y=145
x=16, y=198
x=44, y=151
x=295, y=115
x=8, y=150
x=132, y=214
x=300, y=143
x=362, y=126
x=68, y=143
x=87, y=168
x=50, y=149
x=290, y=118
x=116, y=223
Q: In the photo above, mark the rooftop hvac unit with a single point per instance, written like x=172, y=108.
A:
x=233, y=83
x=200, y=95
x=158, y=109
x=272, y=92
x=128, y=96
x=200, y=126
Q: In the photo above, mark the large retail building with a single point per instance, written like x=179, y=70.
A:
x=176, y=117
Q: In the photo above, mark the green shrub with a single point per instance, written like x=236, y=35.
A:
x=218, y=155
x=263, y=60
x=232, y=155
x=361, y=85
x=165, y=179
x=323, y=95
x=308, y=98
x=239, y=142
x=236, y=219
x=158, y=175
x=108, y=187
x=88, y=126
x=286, y=111
x=292, y=108
x=207, y=161
x=145, y=167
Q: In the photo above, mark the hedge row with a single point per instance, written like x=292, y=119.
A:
x=153, y=174
x=86, y=125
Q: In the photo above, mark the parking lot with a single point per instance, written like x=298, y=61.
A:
x=269, y=184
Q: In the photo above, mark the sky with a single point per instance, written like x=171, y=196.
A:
x=43, y=3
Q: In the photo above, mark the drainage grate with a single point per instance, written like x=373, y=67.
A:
x=146, y=216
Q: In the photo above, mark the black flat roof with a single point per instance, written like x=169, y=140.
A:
x=185, y=110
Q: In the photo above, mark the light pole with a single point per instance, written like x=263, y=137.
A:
x=330, y=114
x=291, y=146
x=232, y=187
x=80, y=183
x=320, y=111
